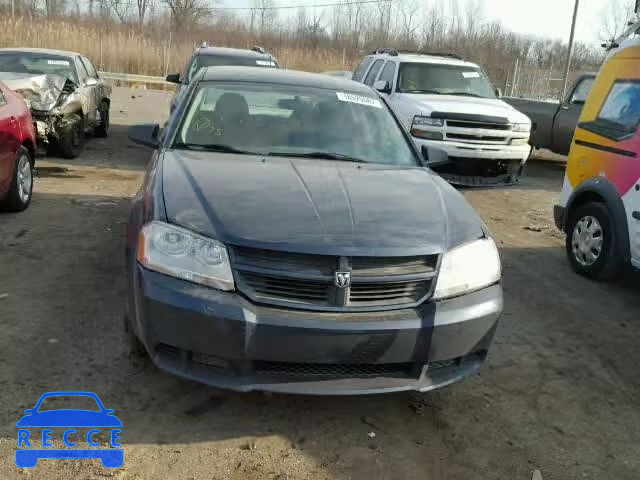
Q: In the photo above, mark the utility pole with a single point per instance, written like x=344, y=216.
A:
x=567, y=65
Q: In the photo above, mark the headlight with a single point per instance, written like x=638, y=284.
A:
x=470, y=267
x=419, y=121
x=522, y=127
x=184, y=254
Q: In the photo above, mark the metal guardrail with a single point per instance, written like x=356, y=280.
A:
x=130, y=78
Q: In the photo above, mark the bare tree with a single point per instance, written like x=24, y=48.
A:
x=187, y=13
x=615, y=16
x=143, y=6
x=121, y=9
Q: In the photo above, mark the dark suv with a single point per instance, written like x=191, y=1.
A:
x=268, y=250
x=205, y=56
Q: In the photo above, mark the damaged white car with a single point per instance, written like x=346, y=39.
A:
x=64, y=92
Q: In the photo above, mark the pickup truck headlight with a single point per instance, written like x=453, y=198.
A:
x=522, y=127
x=419, y=121
x=468, y=268
x=183, y=254
x=421, y=125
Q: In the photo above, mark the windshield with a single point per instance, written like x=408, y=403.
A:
x=37, y=64
x=440, y=79
x=284, y=120
x=201, y=61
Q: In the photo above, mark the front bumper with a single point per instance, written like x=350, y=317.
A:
x=475, y=150
x=475, y=164
x=224, y=340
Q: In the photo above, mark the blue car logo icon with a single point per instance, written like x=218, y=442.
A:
x=69, y=419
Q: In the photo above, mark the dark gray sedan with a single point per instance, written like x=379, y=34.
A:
x=288, y=237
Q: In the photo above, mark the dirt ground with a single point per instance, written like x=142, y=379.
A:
x=559, y=392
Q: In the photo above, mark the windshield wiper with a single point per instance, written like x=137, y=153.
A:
x=318, y=155
x=466, y=94
x=213, y=147
x=429, y=92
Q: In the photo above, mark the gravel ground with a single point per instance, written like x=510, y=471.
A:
x=559, y=392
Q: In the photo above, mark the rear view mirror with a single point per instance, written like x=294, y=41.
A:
x=382, y=86
x=499, y=92
x=145, y=134
x=173, y=78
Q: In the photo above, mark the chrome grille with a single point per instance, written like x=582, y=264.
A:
x=471, y=131
x=307, y=281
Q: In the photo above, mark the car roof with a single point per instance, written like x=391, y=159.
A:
x=423, y=58
x=46, y=51
x=284, y=77
x=232, y=52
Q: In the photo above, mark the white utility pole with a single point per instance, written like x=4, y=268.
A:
x=567, y=65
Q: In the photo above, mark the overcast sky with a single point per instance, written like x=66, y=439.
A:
x=546, y=18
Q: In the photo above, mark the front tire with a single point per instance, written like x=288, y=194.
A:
x=71, y=141
x=20, y=192
x=592, y=242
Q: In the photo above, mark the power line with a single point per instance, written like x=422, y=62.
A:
x=274, y=7
x=319, y=5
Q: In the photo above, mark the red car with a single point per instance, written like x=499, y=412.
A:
x=17, y=151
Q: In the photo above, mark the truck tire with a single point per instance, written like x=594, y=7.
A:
x=102, y=129
x=71, y=141
x=19, y=196
x=592, y=243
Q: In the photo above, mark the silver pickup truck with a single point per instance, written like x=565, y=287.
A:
x=553, y=124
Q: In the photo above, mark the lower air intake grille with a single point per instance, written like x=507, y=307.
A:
x=336, y=370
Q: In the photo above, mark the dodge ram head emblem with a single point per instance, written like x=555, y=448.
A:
x=343, y=279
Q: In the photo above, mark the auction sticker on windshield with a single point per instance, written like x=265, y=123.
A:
x=58, y=62
x=76, y=431
x=359, y=99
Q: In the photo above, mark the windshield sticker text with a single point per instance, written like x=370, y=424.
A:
x=265, y=63
x=58, y=62
x=359, y=99
x=471, y=74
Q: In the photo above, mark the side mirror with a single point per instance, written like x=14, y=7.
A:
x=91, y=82
x=499, y=92
x=145, y=134
x=29, y=410
x=425, y=153
x=173, y=78
x=382, y=86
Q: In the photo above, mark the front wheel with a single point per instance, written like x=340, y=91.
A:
x=71, y=141
x=19, y=196
x=592, y=243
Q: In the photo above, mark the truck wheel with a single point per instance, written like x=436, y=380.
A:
x=102, y=128
x=19, y=195
x=592, y=244
x=71, y=141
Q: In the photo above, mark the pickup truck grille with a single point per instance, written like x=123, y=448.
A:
x=308, y=281
x=476, y=132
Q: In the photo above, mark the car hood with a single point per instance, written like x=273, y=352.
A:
x=69, y=418
x=467, y=105
x=315, y=206
x=40, y=92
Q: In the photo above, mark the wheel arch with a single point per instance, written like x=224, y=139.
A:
x=31, y=147
x=601, y=190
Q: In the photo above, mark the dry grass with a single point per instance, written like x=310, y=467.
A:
x=124, y=50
